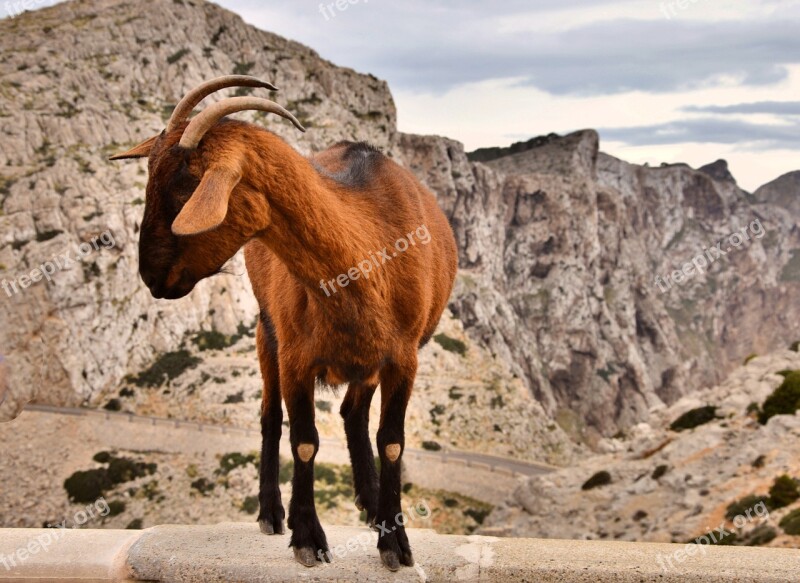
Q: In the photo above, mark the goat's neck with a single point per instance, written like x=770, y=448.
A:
x=311, y=230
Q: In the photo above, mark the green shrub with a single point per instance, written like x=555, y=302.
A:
x=324, y=406
x=750, y=357
x=231, y=461
x=102, y=457
x=783, y=492
x=694, y=418
x=791, y=523
x=497, y=402
x=602, y=478
x=47, y=235
x=660, y=471
x=431, y=446
x=325, y=473
x=250, y=505
x=740, y=507
x=175, y=57
x=87, y=486
x=795, y=346
x=135, y=524
x=235, y=398
x=168, y=367
x=113, y=405
x=478, y=515
x=151, y=491
x=451, y=344
x=243, y=68
x=785, y=400
x=760, y=536
x=211, y=340
x=121, y=470
x=203, y=486
x=116, y=507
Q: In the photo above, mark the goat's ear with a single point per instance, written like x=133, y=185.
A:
x=208, y=205
x=140, y=151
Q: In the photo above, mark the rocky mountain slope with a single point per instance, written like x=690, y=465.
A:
x=560, y=244
x=81, y=80
x=561, y=247
x=662, y=485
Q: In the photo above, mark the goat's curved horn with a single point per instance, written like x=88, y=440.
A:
x=206, y=119
x=196, y=95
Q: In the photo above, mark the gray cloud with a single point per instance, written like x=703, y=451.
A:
x=434, y=45
x=709, y=130
x=768, y=107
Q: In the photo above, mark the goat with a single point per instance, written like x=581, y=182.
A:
x=309, y=227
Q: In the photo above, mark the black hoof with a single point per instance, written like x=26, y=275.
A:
x=268, y=527
x=391, y=560
x=395, y=550
x=305, y=557
x=271, y=514
x=308, y=539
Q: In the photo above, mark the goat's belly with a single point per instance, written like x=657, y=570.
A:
x=338, y=374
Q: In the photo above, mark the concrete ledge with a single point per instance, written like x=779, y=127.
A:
x=239, y=552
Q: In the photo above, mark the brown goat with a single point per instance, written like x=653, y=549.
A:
x=352, y=263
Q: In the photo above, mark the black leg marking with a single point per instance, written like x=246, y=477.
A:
x=355, y=412
x=271, y=514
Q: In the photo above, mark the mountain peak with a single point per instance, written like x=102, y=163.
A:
x=718, y=171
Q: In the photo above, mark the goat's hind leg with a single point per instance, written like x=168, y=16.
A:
x=271, y=514
x=355, y=412
x=396, y=384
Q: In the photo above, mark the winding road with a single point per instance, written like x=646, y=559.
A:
x=485, y=477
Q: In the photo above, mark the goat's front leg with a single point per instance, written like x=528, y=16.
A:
x=355, y=412
x=270, y=516
x=396, y=384
x=308, y=538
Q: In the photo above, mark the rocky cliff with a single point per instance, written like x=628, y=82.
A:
x=560, y=245
x=568, y=263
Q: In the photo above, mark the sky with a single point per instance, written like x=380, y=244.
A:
x=661, y=80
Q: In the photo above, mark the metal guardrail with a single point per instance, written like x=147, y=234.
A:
x=478, y=461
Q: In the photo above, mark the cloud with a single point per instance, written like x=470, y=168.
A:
x=587, y=48
x=760, y=107
x=710, y=131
